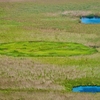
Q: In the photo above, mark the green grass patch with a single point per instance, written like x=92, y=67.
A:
x=44, y=49
x=83, y=61
x=86, y=81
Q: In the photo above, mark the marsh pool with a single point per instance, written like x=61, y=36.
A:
x=91, y=20
x=93, y=89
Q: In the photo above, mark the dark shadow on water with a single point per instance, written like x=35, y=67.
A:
x=90, y=20
x=92, y=89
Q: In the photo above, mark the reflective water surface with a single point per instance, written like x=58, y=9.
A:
x=92, y=89
x=92, y=20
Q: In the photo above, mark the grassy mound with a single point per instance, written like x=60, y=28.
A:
x=44, y=49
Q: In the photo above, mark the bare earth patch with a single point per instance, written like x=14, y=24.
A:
x=77, y=13
x=71, y=13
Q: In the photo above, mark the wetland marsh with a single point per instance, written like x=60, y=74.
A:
x=48, y=23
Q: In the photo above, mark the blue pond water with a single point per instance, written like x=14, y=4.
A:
x=92, y=20
x=93, y=89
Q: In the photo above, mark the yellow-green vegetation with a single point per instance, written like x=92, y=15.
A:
x=44, y=49
x=49, y=24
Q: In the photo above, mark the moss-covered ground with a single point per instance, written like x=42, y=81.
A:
x=44, y=49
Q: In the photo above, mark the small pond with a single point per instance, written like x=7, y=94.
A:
x=92, y=89
x=90, y=20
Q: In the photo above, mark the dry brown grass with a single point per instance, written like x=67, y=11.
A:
x=48, y=96
x=27, y=73
x=24, y=73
